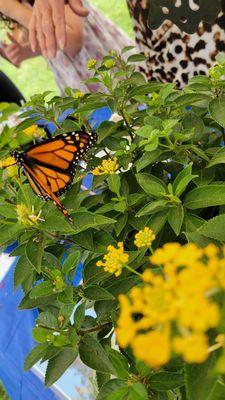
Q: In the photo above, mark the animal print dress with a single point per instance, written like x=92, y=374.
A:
x=173, y=55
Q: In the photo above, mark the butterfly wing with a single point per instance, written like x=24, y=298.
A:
x=50, y=165
x=55, y=159
x=43, y=190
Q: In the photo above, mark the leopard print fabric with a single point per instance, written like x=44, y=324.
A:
x=173, y=55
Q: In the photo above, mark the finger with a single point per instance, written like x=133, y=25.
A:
x=11, y=38
x=78, y=8
x=40, y=35
x=49, y=33
x=58, y=15
x=33, y=32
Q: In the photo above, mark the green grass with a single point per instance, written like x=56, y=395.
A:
x=34, y=76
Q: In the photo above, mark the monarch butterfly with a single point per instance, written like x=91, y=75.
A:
x=50, y=165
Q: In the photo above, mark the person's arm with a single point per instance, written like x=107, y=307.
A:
x=48, y=24
x=17, y=11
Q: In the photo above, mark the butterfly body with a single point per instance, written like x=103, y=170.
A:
x=50, y=165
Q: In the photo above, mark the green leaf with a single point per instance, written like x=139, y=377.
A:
x=119, y=363
x=114, y=183
x=79, y=316
x=59, y=364
x=214, y=228
x=136, y=58
x=166, y=381
x=151, y=185
x=175, y=218
x=35, y=355
x=217, y=391
x=43, y=289
x=9, y=233
x=8, y=210
x=94, y=356
x=218, y=158
x=182, y=180
x=94, y=292
x=157, y=221
x=200, y=379
x=216, y=109
x=152, y=207
x=71, y=261
x=34, y=251
x=120, y=224
x=42, y=335
x=147, y=158
x=123, y=285
x=22, y=271
x=47, y=319
x=205, y=196
x=112, y=386
x=192, y=121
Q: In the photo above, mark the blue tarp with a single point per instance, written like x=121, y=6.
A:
x=16, y=326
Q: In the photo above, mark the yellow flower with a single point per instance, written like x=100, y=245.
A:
x=109, y=64
x=109, y=167
x=91, y=63
x=34, y=131
x=154, y=348
x=144, y=238
x=78, y=95
x=193, y=347
x=8, y=162
x=26, y=215
x=114, y=260
x=178, y=296
x=126, y=328
x=10, y=165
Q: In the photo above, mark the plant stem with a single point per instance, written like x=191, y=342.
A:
x=94, y=329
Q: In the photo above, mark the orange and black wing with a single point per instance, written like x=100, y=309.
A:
x=54, y=160
x=43, y=190
x=50, y=165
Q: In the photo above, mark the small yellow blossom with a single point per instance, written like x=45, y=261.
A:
x=154, y=348
x=114, y=260
x=34, y=131
x=193, y=347
x=10, y=165
x=144, y=238
x=109, y=167
x=26, y=215
x=109, y=64
x=12, y=171
x=91, y=63
x=8, y=162
x=78, y=95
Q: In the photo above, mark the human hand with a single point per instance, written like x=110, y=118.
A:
x=15, y=52
x=47, y=26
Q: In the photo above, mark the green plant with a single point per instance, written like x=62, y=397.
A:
x=161, y=168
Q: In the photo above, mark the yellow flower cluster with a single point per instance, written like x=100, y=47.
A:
x=172, y=311
x=144, y=238
x=109, y=64
x=78, y=94
x=114, y=260
x=91, y=63
x=108, y=167
x=26, y=215
x=34, y=131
